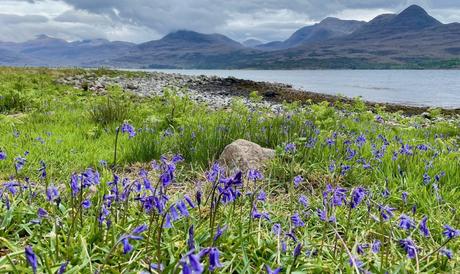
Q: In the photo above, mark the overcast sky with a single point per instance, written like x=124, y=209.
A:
x=144, y=20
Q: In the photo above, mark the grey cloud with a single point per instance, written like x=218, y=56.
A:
x=8, y=19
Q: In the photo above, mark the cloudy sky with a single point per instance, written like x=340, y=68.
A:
x=143, y=20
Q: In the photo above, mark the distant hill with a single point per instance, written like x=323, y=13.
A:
x=410, y=39
x=326, y=29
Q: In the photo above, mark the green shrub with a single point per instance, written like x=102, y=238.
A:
x=112, y=108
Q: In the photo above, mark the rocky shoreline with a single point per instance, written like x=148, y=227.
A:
x=217, y=92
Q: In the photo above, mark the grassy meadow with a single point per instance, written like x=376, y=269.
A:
x=350, y=190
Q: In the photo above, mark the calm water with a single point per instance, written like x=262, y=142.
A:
x=439, y=88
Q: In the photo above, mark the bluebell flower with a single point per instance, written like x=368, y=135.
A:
x=409, y=246
x=19, y=163
x=52, y=193
x=198, y=196
x=2, y=155
x=62, y=268
x=404, y=197
x=257, y=215
x=447, y=253
x=254, y=175
x=74, y=186
x=356, y=262
x=303, y=200
x=376, y=246
x=296, y=220
x=426, y=178
x=180, y=205
x=331, y=167
x=191, y=238
x=214, y=261
x=361, y=140
x=193, y=266
x=423, y=227
x=290, y=148
x=405, y=222
x=262, y=196
x=361, y=248
x=42, y=169
x=42, y=213
x=31, y=258
x=297, y=250
x=127, y=128
x=297, y=180
x=276, y=229
x=291, y=235
x=344, y=169
x=357, y=196
x=386, y=212
x=219, y=232
x=450, y=232
x=339, y=196
x=274, y=271
x=139, y=229
x=86, y=204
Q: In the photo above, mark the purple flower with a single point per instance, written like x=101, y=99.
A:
x=214, y=261
x=357, y=196
x=296, y=220
x=198, y=196
x=426, y=178
x=257, y=215
x=42, y=213
x=127, y=128
x=404, y=197
x=86, y=204
x=274, y=271
x=138, y=230
x=182, y=208
x=409, y=246
x=450, y=232
x=361, y=140
x=2, y=155
x=339, y=196
x=303, y=200
x=376, y=246
x=386, y=212
x=254, y=175
x=290, y=148
x=62, y=268
x=276, y=229
x=31, y=258
x=447, y=253
x=52, y=193
x=297, y=180
x=361, y=248
x=189, y=201
x=191, y=238
x=297, y=250
x=405, y=222
x=262, y=196
x=423, y=227
x=42, y=169
x=19, y=163
x=220, y=231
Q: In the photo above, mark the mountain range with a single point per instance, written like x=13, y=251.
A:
x=410, y=39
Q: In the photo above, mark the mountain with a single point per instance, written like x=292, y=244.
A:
x=184, y=49
x=410, y=39
x=328, y=28
x=252, y=43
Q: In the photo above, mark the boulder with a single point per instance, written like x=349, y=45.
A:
x=244, y=155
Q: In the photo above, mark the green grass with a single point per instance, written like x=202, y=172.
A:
x=72, y=130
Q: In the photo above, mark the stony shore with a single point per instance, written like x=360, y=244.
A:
x=217, y=92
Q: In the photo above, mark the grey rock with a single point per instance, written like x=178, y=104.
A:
x=245, y=155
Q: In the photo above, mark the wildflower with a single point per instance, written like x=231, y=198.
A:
x=423, y=227
x=426, y=178
x=404, y=197
x=182, y=208
x=198, y=196
x=74, y=184
x=409, y=246
x=296, y=220
x=297, y=180
x=2, y=155
x=42, y=213
x=42, y=169
x=303, y=200
x=447, y=253
x=262, y=196
x=344, y=169
x=189, y=201
x=276, y=229
x=339, y=196
x=191, y=238
x=357, y=196
x=257, y=215
x=139, y=229
x=86, y=204
x=274, y=271
x=376, y=246
x=214, y=262
x=19, y=163
x=254, y=175
x=52, y=193
x=331, y=167
x=193, y=265
x=361, y=140
x=450, y=232
x=386, y=212
x=292, y=236
x=361, y=248
x=297, y=250
x=62, y=268
x=405, y=222
x=355, y=262
x=31, y=258
x=127, y=128
x=290, y=148
x=220, y=231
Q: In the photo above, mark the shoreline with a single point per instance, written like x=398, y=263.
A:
x=207, y=88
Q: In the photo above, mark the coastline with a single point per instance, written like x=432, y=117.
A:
x=221, y=89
